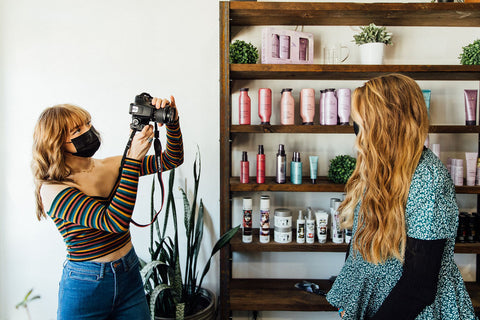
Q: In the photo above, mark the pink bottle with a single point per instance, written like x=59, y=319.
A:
x=330, y=105
x=321, y=109
x=265, y=105
x=307, y=105
x=244, y=107
x=287, y=107
x=244, y=168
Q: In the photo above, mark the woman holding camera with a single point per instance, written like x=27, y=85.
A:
x=91, y=203
x=402, y=207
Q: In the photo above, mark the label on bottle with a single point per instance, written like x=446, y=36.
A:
x=247, y=226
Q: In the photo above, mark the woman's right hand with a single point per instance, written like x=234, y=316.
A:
x=141, y=143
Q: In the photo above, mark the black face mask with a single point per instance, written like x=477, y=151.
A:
x=356, y=128
x=87, y=143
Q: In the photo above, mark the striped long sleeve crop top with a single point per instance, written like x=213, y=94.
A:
x=92, y=227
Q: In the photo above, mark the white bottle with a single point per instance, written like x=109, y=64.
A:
x=322, y=223
x=265, y=219
x=310, y=227
x=300, y=227
x=247, y=220
x=337, y=236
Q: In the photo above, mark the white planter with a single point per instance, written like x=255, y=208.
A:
x=372, y=53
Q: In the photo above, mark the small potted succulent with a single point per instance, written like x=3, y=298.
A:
x=341, y=168
x=242, y=52
x=471, y=54
x=372, y=41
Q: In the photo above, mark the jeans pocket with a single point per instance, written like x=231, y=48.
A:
x=83, y=275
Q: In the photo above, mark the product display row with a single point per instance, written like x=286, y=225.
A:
x=311, y=225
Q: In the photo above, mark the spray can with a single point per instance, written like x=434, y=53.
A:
x=247, y=220
x=296, y=169
x=300, y=227
x=310, y=226
x=264, y=219
x=260, y=165
x=281, y=171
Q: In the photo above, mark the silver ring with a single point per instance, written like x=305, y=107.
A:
x=150, y=140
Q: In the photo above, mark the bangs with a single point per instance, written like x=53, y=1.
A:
x=73, y=116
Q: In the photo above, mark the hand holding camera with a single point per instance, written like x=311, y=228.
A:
x=147, y=109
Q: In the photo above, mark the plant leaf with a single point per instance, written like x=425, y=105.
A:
x=153, y=297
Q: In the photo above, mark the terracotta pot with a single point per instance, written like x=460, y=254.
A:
x=206, y=314
x=472, y=1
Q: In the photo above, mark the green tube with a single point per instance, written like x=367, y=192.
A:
x=313, y=168
x=426, y=96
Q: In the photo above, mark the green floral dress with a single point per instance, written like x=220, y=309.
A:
x=431, y=213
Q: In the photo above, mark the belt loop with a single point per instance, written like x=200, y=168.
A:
x=102, y=270
x=125, y=264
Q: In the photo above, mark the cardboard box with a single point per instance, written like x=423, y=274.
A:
x=281, y=46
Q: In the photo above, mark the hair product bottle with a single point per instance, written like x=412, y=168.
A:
x=247, y=220
x=281, y=170
x=287, y=107
x=300, y=227
x=284, y=47
x=260, y=165
x=310, y=226
x=296, y=169
x=307, y=106
x=244, y=107
x=283, y=225
x=264, y=219
x=321, y=109
x=303, y=49
x=265, y=105
x=244, y=168
x=275, y=46
x=322, y=223
x=337, y=233
x=344, y=105
x=330, y=105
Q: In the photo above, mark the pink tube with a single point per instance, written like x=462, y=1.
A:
x=471, y=107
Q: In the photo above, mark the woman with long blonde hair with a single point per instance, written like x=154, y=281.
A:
x=401, y=206
x=91, y=202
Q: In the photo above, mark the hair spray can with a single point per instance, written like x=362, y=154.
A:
x=244, y=168
x=264, y=219
x=281, y=170
x=247, y=220
x=310, y=227
x=296, y=169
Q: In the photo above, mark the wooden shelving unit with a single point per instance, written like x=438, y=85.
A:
x=280, y=294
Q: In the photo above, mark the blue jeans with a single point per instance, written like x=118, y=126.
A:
x=93, y=290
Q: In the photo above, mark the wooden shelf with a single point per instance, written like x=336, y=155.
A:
x=336, y=129
x=355, y=14
x=351, y=72
x=281, y=295
x=237, y=245
x=322, y=185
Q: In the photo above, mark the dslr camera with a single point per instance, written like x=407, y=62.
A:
x=143, y=112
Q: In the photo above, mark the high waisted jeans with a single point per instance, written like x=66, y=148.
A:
x=112, y=290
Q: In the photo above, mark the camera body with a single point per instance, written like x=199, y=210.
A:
x=143, y=112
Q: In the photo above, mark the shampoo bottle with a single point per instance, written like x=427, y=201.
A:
x=307, y=106
x=281, y=170
x=244, y=107
x=330, y=107
x=337, y=231
x=287, y=107
x=265, y=105
x=300, y=227
x=260, y=165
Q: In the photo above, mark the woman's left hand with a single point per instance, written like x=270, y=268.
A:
x=162, y=103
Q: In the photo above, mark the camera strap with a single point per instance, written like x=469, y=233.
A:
x=158, y=160
x=157, y=146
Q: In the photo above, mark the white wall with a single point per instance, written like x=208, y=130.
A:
x=100, y=54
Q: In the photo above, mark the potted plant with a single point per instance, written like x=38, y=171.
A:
x=341, y=168
x=372, y=41
x=471, y=54
x=170, y=295
x=242, y=52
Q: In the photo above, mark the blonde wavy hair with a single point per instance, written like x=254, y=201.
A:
x=392, y=116
x=49, y=136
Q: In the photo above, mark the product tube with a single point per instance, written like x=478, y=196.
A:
x=244, y=107
x=471, y=107
x=471, y=158
x=244, y=168
x=313, y=168
x=300, y=227
x=260, y=165
x=265, y=105
x=307, y=106
x=264, y=219
x=247, y=220
x=322, y=223
x=426, y=96
x=303, y=49
x=344, y=105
